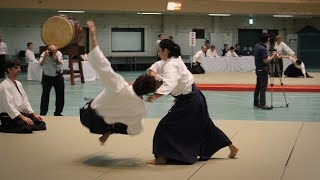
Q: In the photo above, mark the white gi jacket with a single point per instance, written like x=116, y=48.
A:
x=117, y=103
x=211, y=54
x=231, y=54
x=283, y=47
x=3, y=48
x=30, y=56
x=301, y=66
x=199, y=56
x=177, y=79
x=12, y=102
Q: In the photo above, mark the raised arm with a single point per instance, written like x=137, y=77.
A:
x=101, y=65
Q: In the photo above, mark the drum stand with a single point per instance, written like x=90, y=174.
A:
x=275, y=66
x=74, y=51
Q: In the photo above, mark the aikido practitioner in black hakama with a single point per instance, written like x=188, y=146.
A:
x=16, y=113
x=296, y=69
x=187, y=131
x=119, y=108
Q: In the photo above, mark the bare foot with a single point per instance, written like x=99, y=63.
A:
x=104, y=138
x=153, y=161
x=233, y=151
x=158, y=161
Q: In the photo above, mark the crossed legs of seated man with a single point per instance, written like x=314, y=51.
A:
x=27, y=124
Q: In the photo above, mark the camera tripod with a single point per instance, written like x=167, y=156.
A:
x=274, y=65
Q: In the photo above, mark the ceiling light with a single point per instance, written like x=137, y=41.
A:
x=62, y=11
x=174, y=6
x=283, y=15
x=219, y=14
x=151, y=13
x=250, y=21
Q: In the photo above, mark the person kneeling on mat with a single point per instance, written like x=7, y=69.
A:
x=296, y=69
x=16, y=113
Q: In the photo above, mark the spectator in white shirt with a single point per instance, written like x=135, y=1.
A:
x=197, y=58
x=187, y=131
x=231, y=52
x=119, y=108
x=282, y=50
x=296, y=69
x=30, y=57
x=212, y=52
x=16, y=113
x=3, y=52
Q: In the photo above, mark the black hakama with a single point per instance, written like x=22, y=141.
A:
x=292, y=71
x=187, y=131
x=197, y=69
x=96, y=124
x=17, y=125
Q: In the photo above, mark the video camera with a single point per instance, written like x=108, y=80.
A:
x=272, y=41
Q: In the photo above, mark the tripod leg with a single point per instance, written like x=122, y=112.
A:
x=272, y=82
x=281, y=83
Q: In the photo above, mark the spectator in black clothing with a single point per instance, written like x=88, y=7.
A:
x=238, y=50
x=261, y=61
x=225, y=49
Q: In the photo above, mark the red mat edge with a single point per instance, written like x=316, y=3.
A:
x=250, y=87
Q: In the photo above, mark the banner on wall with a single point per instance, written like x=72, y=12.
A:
x=192, y=39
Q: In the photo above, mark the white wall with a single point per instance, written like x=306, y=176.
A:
x=20, y=27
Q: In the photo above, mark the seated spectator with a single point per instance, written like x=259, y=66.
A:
x=212, y=52
x=296, y=69
x=225, y=49
x=238, y=50
x=250, y=49
x=197, y=59
x=17, y=115
x=171, y=38
x=246, y=51
x=231, y=52
x=30, y=57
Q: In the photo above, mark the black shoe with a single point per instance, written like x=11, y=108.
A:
x=265, y=107
x=55, y=114
x=256, y=106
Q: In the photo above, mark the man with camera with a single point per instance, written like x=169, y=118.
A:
x=52, y=64
x=262, y=59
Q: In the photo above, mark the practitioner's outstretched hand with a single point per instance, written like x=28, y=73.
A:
x=92, y=30
x=91, y=26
